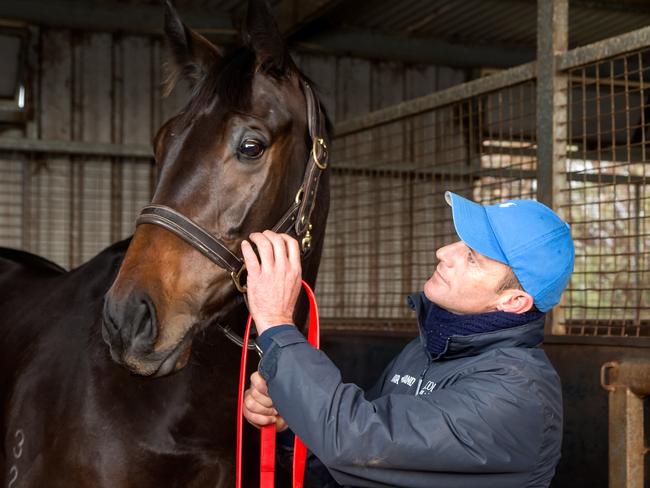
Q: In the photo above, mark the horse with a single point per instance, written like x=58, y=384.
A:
x=123, y=371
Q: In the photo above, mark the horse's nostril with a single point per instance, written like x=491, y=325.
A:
x=110, y=329
x=129, y=324
x=143, y=333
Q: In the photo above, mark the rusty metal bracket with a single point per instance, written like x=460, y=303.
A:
x=603, y=375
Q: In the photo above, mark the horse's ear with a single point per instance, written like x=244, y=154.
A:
x=190, y=54
x=261, y=34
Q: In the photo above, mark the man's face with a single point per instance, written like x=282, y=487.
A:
x=465, y=281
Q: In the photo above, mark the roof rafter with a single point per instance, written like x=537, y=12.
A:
x=104, y=17
x=293, y=15
x=367, y=44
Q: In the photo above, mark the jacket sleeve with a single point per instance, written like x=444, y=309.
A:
x=482, y=423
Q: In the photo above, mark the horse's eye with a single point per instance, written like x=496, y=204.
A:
x=250, y=148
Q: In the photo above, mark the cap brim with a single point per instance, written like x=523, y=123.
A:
x=473, y=227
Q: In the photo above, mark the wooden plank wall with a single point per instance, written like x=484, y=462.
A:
x=99, y=87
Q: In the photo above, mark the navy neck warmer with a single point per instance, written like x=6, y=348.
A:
x=440, y=324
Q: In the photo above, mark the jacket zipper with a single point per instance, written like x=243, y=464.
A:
x=424, y=372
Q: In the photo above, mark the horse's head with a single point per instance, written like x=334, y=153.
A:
x=232, y=161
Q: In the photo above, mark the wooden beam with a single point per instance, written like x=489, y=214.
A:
x=368, y=44
x=76, y=148
x=293, y=15
x=96, y=16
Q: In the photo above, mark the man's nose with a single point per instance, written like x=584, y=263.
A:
x=446, y=254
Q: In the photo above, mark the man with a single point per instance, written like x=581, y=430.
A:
x=472, y=403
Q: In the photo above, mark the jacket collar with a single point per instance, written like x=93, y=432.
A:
x=527, y=335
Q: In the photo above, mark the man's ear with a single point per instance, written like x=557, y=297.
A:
x=189, y=54
x=515, y=301
x=262, y=35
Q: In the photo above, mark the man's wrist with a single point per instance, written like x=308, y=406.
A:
x=264, y=324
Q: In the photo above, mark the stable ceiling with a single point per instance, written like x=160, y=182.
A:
x=463, y=33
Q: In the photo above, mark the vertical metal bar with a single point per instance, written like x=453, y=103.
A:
x=612, y=110
x=552, y=39
x=117, y=135
x=72, y=167
x=408, y=154
x=636, y=268
x=26, y=217
x=626, y=439
x=599, y=203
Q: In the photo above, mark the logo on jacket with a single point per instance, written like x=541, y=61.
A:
x=405, y=380
x=428, y=388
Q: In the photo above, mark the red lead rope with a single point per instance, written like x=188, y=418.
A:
x=267, y=434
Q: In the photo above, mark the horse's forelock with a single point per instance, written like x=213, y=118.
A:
x=229, y=83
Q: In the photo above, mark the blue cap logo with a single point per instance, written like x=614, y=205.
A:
x=524, y=234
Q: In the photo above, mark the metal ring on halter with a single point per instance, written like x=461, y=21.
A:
x=300, y=194
x=236, y=279
x=318, y=140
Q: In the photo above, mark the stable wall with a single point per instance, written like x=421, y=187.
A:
x=99, y=97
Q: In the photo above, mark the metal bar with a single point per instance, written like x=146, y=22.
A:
x=627, y=382
x=70, y=148
x=552, y=37
x=438, y=99
x=613, y=341
x=625, y=439
x=469, y=171
x=604, y=49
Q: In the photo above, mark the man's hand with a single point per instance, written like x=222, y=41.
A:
x=274, y=281
x=258, y=406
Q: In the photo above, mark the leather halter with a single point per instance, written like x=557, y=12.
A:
x=295, y=220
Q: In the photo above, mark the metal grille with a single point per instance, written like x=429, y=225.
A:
x=68, y=210
x=388, y=210
x=608, y=197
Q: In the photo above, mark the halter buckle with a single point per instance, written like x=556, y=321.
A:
x=236, y=279
x=305, y=243
x=319, y=141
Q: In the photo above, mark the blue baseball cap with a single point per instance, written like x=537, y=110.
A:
x=524, y=234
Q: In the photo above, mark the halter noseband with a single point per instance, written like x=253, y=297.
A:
x=295, y=220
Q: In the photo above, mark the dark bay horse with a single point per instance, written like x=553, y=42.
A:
x=86, y=356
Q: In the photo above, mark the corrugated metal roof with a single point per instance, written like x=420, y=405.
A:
x=498, y=33
x=505, y=22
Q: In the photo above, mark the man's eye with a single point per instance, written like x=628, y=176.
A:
x=251, y=149
x=470, y=257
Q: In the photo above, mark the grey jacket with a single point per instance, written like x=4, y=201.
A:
x=486, y=413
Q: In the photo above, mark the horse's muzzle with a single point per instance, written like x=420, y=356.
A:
x=129, y=326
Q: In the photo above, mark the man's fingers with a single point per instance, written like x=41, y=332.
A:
x=280, y=424
x=259, y=420
x=252, y=405
x=279, y=247
x=263, y=400
x=250, y=259
x=264, y=248
x=259, y=392
x=293, y=250
x=258, y=383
